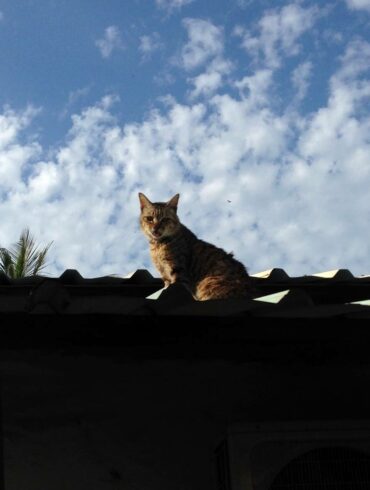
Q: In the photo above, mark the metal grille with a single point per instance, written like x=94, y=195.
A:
x=222, y=467
x=332, y=468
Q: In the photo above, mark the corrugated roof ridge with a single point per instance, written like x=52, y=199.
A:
x=342, y=274
x=364, y=302
x=71, y=276
x=177, y=293
x=140, y=276
x=176, y=299
x=275, y=273
x=278, y=273
x=295, y=296
x=273, y=298
x=143, y=276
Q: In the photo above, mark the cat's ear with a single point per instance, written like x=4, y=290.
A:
x=144, y=201
x=172, y=203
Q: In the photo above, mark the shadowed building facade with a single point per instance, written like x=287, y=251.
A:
x=115, y=383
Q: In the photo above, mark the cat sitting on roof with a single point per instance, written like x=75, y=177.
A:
x=206, y=270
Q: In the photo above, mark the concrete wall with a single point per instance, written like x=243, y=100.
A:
x=74, y=420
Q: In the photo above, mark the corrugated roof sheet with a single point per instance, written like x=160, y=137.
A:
x=288, y=318
x=330, y=294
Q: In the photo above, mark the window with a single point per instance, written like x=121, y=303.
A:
x=330, y=468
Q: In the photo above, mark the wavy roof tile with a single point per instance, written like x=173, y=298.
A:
x=332, y=293
x=288, y=317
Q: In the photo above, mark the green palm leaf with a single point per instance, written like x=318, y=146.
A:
x=24, y=258
x=6, y=263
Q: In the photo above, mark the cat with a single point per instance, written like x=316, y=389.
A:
x=206, y=270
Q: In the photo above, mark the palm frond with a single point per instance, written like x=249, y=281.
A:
x=19, y=253
x=24, y=258
x=39, y=264
x=6, y=262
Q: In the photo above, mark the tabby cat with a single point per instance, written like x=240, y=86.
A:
x=207, y=271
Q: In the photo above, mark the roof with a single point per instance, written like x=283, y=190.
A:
x=329, y=294
x=139, y=299
x=286, y=312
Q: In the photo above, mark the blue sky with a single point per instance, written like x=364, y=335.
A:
x=256, y=112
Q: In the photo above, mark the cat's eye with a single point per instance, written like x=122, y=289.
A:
x=149, y=218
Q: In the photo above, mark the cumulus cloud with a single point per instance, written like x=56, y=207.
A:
x=171, y=5
x=355, y=60
x=278, y=33
x=15, y=153
x=358, y=4
x=256, y=88
x=300, y=79
x=211, y=79
x=110, y=42
x=279, y=188
x=73, y=97
x=205, y=41
x=203, y=52
x=149, y=44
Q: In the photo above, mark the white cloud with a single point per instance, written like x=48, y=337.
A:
x=204, y=51
x=205, y=41
x=333, y=36
x=110, y=42
x=12, y=123
x=278, y=33
x=256, y=87
x=297, y=185
x=163, y=78
x=358, y=4
x=300, y=79
x=209, y=81
x=171, y=5
x=149, y=44
x=335, y=133
x=355, y=60
x=73, y=97
x=14, y=153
